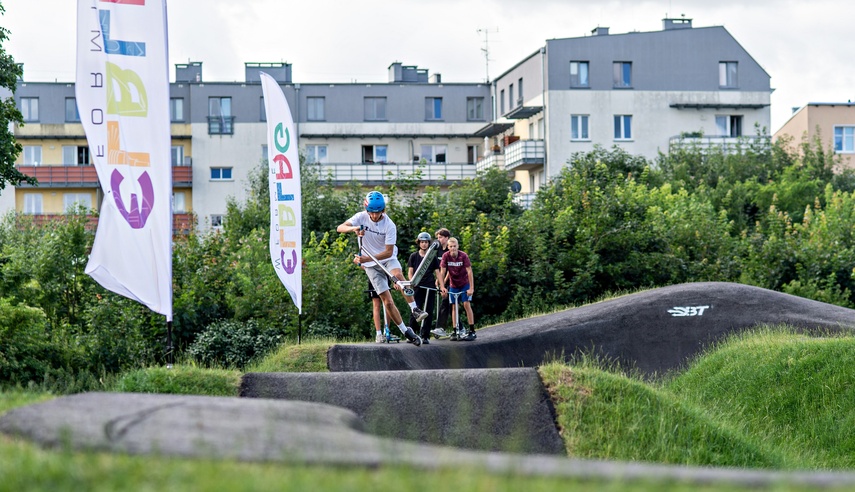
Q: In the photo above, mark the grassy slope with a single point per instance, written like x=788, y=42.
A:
x=792, y=391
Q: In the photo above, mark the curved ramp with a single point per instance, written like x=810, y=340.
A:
x=654, y=331
x=489, y=410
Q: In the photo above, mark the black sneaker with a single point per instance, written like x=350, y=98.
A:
x=470, y=336
x=425, y=341
x=412, y=337
x=419, y=315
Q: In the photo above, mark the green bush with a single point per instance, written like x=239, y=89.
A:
x=28, y=352
x=234, y=344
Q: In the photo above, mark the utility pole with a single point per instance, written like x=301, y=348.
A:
x=486, y=48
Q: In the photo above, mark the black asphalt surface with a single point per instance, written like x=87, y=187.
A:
x=653, y=331
x=490, y=410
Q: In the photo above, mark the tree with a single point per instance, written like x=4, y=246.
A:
x=9, y=113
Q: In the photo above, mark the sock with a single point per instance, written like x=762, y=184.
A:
x=403, y=328
x=472, y=328
x=412, y=305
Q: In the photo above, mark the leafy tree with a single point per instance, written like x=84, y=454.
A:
x=9, y=115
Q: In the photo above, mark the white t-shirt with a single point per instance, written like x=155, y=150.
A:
x=378, y=235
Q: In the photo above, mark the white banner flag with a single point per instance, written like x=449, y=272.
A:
x=286, y=212
x=122, y=94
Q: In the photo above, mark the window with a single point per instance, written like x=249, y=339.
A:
x=623, y=74
x=221, y=174
x=178, y=203
x=71, y=113
x=623, y=127
x=216, y=221
x=375, y=108
x=579, y=127
x=263, y=110
x=264, y=156
x=32, y=155
x=32, y=203
x=475, y=108
x=472, y=153
x=176, y=109
x=727, y=74
x=511, y=104
x=316, y=154
x=434, y=154
x=541, y=128
x=844, y=139
x=316, y=108
x=579, y=74
x=177, y=153
x=433, y=108
x=75, y=155
x=520, y=92
x=71, y=201
x=729, y=125
x=220, y=119
x=30, y=108
x=374, y=153
x=502, y=101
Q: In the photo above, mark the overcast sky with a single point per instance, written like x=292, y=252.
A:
x=806, y=47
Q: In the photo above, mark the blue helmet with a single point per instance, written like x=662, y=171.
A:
x=374, y=202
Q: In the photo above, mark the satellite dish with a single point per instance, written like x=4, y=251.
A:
x=516, y=186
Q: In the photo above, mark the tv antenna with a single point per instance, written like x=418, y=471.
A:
x=486, y=48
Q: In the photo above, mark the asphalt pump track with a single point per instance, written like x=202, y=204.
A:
x=445, y=404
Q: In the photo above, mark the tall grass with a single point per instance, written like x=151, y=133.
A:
x=793, y=391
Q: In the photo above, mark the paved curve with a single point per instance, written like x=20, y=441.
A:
x=654, y=331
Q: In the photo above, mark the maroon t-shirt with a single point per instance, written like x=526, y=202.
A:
x=457, y=275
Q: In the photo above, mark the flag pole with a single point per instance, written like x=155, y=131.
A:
x=169, y=349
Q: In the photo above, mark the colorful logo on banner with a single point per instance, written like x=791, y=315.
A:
x=126, y=97
x=287, y=220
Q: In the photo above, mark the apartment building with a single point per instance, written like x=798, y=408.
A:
x=833, y=123
x=642, y=91
x=371, y=133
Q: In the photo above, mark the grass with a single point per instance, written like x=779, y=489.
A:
x=771, y=399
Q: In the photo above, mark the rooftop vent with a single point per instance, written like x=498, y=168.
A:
x=600, y=31
x=681, y=23
x=188, y=72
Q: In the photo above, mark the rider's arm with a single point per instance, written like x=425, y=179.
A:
x=346, y=226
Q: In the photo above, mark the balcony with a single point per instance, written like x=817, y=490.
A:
x=524, y=155
x=724, y=144
x=182, y=224
x=59, y=176
x=376, y=174
x=221, y=125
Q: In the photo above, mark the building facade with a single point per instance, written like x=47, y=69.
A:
x=833, y=123
x=371, y=133
x=642, y=91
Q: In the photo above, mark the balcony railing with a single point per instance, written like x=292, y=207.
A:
x=181, y=223
x=519, y=155
x=525, y=154
x=221, y=125
x=726, y=144
x=440, y=174
x=85, y=176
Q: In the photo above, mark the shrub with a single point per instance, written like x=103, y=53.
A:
x=234, y=344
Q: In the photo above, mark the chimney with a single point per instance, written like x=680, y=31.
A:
x=281, y=72
x=669, y=24
x=188, y=72
x=600, y=31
